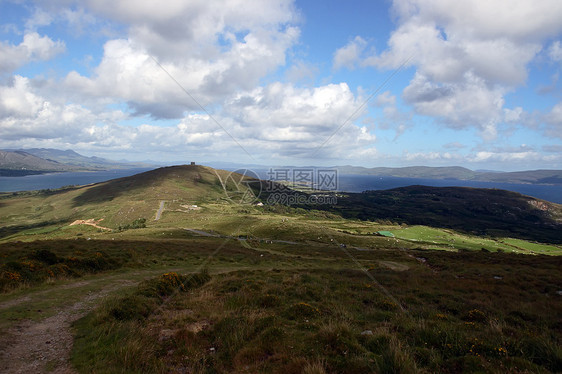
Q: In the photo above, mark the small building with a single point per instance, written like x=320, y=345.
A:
x=192, y=163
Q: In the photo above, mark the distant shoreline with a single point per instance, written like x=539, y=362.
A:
x=14, y=173
x=58, y=179
x=347, y=182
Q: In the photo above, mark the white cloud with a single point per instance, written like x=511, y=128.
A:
x=524, y=157
x=468, y=55
x=301, y=71
x=127, y=72
x=513, y=115
x=555, y=51
x=510, y=155
x=18, y=101
x=33, y=47
x=506, y=156
x=297, y=121
x=349, y=55
x=454, y=145
x=26, y=115
x=281, y=104
x=279, y=121
x=194, y=26
x=212, y=49
x=39, y=18
x=553, y=121
x=424, y=157
x=393, y=118
x=553, y=148
x=41, y=47
x=386, y=98
x=471, y=104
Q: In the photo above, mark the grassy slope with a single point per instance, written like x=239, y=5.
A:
x=47, y=215
x=280, y=307
x=117, y=202
x=292, y=320
x=290, y=308
x=482, y=211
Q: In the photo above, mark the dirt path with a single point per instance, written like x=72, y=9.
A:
x=35, y=295
x=204, y=233
x=90, y=222
x=160, y=210
x=39, y=347
x=44, y=346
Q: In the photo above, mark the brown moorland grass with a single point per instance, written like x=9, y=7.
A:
x=463, y=312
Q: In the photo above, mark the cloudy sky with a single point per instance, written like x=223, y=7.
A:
x=474, y=83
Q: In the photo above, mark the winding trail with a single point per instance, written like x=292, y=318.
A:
x=203, y=233
x=44, y=346
x=160, y=210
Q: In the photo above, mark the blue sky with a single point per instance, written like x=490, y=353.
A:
x=278, y=82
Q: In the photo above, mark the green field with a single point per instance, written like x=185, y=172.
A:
x=450, y=240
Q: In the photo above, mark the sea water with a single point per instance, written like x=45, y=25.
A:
x=345, y=182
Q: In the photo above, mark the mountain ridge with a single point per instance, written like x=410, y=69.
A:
x=120, y=201
x=20, y=162
x=24, y=163
x=540, y=176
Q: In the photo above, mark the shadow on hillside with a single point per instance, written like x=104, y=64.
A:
x=107, y=191
x=11, y=230
x=491, y=212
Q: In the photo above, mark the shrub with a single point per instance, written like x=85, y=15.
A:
x=396, y=359
x=268, y=301
x=387, y=305
x=543, y=352
x=151, y=293
x=139, y=223
x=45, y=256
x=338, y=339
x=42, y=264
x=132, y=307
x=301, y=310
x=475, y=315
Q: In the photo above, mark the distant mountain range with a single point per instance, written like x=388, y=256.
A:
x=44, y=160
x=121, y=201
x=457, y=172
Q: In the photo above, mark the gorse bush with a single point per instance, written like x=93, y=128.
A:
x=139, y=223
x=151, y=293
x=113, y=335
x=44, y=264
x=46, y=256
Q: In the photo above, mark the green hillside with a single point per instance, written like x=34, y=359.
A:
x=21, y=163
x=479, y=211
x=118, y=201
x=182, y=269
